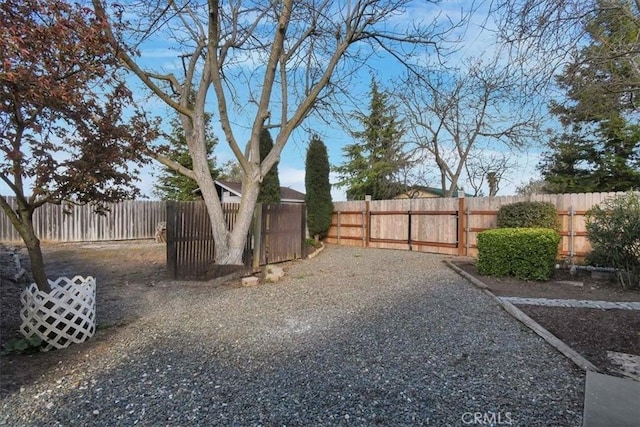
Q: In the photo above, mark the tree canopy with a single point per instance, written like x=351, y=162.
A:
x=271, y=63
x=172, y=185
x=374, y=163
x=599, y=147
x=68, y=129
x=270, y=185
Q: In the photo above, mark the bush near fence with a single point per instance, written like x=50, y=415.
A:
x=525, y=253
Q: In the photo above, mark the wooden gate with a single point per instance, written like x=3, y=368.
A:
x=279, y=235
x=282, y=232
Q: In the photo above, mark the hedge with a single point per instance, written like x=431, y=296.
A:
x=528, y=215
x=526, y=253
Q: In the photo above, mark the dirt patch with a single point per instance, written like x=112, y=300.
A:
x=591, y=332
x=124, y=272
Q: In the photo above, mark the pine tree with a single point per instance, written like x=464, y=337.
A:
x=270, y=185
x=318, y=189
x=373, y=164
x=172, y=185
x=599, y=149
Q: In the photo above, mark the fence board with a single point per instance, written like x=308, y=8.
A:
x=127, y=220
x=283, y=233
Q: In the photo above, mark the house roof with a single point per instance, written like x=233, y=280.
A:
x=286, y=194
x=433, y=190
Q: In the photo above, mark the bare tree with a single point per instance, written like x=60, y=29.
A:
x=451, y=113
x=533, y=186
x=488, y=168
x=548, y=33
x=272, y=62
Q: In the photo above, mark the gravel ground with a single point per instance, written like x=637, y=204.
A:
x=351, y=337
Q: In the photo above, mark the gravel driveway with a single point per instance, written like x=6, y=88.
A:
x=351, y=337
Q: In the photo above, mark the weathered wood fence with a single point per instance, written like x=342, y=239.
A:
x=282, y=232
x=450, y=225
x=135, y=219
x=277, y=234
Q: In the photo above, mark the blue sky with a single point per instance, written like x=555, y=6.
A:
x=157, y=55
x=385, y=69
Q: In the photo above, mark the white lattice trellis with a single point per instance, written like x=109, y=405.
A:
x=64, y=316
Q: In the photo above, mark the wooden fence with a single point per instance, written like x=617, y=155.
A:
x=278, y=236
x=282, y=232
x=135, y=219
x=450, y=225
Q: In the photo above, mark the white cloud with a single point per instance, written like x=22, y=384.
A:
x=291, y=177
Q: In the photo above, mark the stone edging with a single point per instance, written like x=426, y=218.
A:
x=570, y=353
x=316, y=252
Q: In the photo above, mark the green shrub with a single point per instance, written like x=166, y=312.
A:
x=526, y=253
x=528, y=215
x=613, y=229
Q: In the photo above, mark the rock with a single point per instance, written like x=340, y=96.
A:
x=250, y=281
x=273, y=273
x=277, y=271
x=575, y=283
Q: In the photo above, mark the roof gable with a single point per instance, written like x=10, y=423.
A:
x=286, y=194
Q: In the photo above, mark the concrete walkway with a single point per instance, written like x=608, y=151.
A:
x=572, y=303
x=611, y=401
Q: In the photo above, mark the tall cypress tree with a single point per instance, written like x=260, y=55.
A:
x=373, y=164
x=270, y=186
x=318, y=189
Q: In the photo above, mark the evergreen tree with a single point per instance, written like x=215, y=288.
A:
x=172, y=185
x=270, y=185
x=318, y=188
x=599, y=149
x=373, y=164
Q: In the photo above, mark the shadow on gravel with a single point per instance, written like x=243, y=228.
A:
x=415, y=358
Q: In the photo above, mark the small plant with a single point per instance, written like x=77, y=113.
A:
x=22, y=345
x=311, y=243
x=613, y=229
x=528, y=215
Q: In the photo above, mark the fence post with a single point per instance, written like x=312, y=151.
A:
x=303, y=232
x=257, y=236
x=572, y=213
x=172, y=250
x=467, y=214
x=367, y=220
x=461, y=224
x=409, y=228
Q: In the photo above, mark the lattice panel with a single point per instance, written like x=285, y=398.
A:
x=64, y=316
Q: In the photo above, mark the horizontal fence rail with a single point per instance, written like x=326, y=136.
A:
x=128, y=220
x=451, y=225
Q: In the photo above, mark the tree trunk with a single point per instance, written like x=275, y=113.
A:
x=37, y=264
x=238, y=238
x=31, y=241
